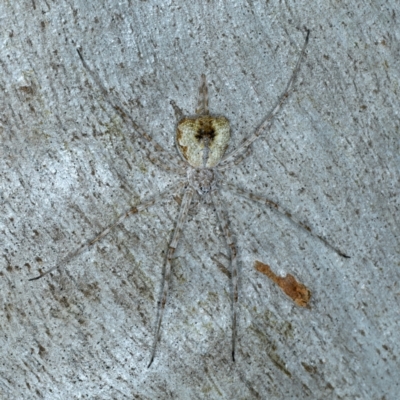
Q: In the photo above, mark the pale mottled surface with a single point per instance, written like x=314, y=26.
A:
x=68, y=167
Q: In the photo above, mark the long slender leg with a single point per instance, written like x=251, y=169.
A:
x=166, y=161
x=224, y=223
x=283, y=212
x=133, y=210
x=271, y=115
x=236, y=160
x=187, y=198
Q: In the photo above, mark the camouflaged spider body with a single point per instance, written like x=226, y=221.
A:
x=202, y=141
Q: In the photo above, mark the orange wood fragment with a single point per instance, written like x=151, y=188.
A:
x=299, y=293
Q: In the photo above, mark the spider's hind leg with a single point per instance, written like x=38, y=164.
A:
x=269, y=119
x=146, y=143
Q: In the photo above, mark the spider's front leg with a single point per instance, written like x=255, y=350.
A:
x=187, y=198
x=133, y=210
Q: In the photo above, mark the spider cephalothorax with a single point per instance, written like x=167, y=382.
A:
x=201, y=180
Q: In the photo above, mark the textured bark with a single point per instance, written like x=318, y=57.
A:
x=69, y=166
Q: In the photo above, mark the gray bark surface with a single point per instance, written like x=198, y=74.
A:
x=69, y=167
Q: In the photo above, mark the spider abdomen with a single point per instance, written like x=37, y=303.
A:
x=202, y=140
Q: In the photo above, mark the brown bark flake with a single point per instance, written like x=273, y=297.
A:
x=299, y=293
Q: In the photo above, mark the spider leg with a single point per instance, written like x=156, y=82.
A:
x=133, y=210
x=266, y=124
x=166, y=161
x=187, y=198
x=235, y=160
x=224, y=224
x=282, y=211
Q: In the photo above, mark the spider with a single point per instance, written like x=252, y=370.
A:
x=201, y=141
